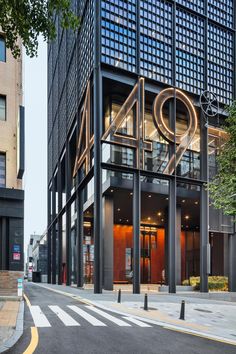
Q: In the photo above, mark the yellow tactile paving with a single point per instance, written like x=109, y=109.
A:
x=8, y=313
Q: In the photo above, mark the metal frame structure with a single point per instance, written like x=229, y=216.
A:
x=97, y=74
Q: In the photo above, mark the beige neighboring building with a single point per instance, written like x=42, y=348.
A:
x=11, y=160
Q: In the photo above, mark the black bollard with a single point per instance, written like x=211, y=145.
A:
x=145, y=302
x=119, y=296
x=182, y=311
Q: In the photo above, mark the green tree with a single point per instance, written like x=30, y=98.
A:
x=223, y=187
x=28, y=19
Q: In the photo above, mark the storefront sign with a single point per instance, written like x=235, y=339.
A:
x=16, y=256
x=16, y=248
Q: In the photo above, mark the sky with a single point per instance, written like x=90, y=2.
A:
x=35, y=177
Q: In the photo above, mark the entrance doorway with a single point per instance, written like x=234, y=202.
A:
x=152, y=244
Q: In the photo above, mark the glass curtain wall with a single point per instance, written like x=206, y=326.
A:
x=170, y=144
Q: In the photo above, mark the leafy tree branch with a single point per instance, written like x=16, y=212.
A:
x=28, y=19
x=223, y=186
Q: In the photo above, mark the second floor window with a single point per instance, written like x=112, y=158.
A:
x=2, y=170
x=2, y=49
x=2, y=107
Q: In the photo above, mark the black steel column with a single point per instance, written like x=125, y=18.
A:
x=171, y=276
x=166, y=267
x=4, y=259
x=136, y=232
x=178, y=246
x=172, y=226
x=232, y=238
x=59, y=189
x=68, y=215
x=204, y=210
x=54, y=231
x=80, y=237
x=232, y=262
x=97, y=101
x=108, y=224
x=138, y=37
x=49, y=237
x=172, y=237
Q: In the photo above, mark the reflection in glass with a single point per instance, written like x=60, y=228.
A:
x=189, y=165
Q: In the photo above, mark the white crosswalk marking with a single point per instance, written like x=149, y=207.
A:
x=64, y=317
x=109, y=317
x=40, y=320
x=91, y=319
x=137, y=322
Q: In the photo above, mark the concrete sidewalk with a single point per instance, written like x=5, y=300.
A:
x=204, y=315
x=11, y=322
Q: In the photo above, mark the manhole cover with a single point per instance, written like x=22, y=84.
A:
x=149, y=308
x=202, y=310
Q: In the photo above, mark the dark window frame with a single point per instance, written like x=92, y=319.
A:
x=5, y=171
x=2, y=39
x=5, y=98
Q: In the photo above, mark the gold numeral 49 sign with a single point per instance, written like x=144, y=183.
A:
x=137, y=141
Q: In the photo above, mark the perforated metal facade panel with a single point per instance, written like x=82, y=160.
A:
x=70, y=64
x=147, y=36
x=138, y=37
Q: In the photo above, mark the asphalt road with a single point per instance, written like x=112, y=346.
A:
x=75, y=335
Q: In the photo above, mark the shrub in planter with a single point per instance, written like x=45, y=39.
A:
x=215, y=283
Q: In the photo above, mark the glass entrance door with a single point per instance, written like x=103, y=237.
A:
x=145, y=258
x=148, y=242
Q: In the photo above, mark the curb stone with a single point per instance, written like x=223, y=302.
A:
x=17, y=332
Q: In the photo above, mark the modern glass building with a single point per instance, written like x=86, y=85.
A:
x=136, y=101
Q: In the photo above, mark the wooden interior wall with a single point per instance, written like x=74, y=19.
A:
x=217, y=254
x=123, y=238
x=183, y=255
x=158, y=257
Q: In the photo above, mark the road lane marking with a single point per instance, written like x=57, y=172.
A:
x=34, y=334
x=40, y=320
x=27, y=301
x=91, y=319
x=109, y=317
x=34, y=341
x=137, y=322
x=64, y=317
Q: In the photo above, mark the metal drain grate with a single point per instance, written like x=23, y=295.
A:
x=202, y=310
